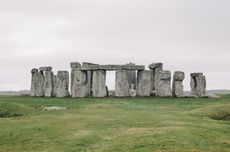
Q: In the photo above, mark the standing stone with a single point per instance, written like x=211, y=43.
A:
x=157, y=79
x=55, y=85
x=131, y=74
x=48, y=86
x=98, y=85
x=80, y=85
x=153, y=67
x=178, y=89
x=34, y=82
x=41, y=82
x=122, y=84
x=143, y=83
x=74, y=66
x=62, y=84
x=89, y=77
x=198, y=84
x=164, y=85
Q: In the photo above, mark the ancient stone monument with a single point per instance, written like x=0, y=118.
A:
x=198, y=84
x=177, y=87
x=89, y=79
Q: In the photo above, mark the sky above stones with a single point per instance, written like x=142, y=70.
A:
x=186, y=35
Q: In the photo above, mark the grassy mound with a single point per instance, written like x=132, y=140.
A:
x=12, y=110
x=221, y=113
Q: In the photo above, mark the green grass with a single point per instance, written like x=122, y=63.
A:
x=115, y=124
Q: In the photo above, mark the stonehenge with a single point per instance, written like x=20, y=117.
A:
x=131, y=80
x=177, y=86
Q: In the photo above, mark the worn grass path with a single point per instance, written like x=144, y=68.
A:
x=115, y=124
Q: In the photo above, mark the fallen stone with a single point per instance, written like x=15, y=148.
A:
x=53, y=108
x=132, y=92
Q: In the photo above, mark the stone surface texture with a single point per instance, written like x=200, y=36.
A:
x=177, y=87
x=198, y=84
x=164, y=86
x=143, y=83
x=49, y=84
x=62, y=84
x=98, y=85
x=121, y=84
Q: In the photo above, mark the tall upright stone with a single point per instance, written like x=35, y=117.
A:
x=62, y=84
x=177, y=87
x=41, y=82
x=89, y=77
x=55, y=85
x=98, y=85
x=74, y=66
x=157, y=79
x=49, y=84
x=80, y=84
x=34, y=82
x=131, y=74
x=143, y=83
x=122, y=84
x=153, y=67
x=198, y=84
x=164, y=86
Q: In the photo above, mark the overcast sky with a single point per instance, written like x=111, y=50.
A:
x=186, y=35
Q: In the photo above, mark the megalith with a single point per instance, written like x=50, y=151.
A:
x=80, y=85
x=177, y=86
x=153, y=67
x=131, y=74
x=62, y=84
x=98, y=85
x=198, y=84
x=55, y=85
x=157, y=79
x=143, y=83
x=48, y=84
x=164, y=86
x=34, y=82
x=122, y=84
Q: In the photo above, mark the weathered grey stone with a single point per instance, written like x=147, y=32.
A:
x=196, y=74
x=132, y=92
x=75, y=65
x=48, y=86
x=45, y=68
x=177, y=89
x=62, y=84
x=143, y=83
x=178, y=76
x=164, y=85
x=198, y=84
x=112, y=67
x=121, y=84
x=80, y=84
x=111, y=93
x=131, y=77
x=89, y=77
x=157, y=79
x=210, y=95
x=34, y=82
x=55, y=85
x=98, y=85
x=153, y=66
x=40, y=89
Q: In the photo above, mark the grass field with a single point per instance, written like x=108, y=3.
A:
x=115, y=124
